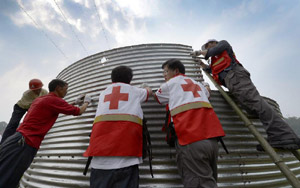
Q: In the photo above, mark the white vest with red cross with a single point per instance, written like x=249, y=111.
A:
x=117, y=128
x=193, y=116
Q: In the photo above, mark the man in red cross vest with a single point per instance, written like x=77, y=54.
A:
x=196, y=125
x=227, y=71
x=116, y=139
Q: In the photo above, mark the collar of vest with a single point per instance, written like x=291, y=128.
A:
x=119, y=83
x=180, y=74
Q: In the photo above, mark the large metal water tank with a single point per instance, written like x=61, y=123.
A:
x=59, y=162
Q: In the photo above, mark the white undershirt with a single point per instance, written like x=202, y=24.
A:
x=114, y=162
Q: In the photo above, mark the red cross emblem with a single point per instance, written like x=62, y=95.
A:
x=115, y=97
x=190, y=86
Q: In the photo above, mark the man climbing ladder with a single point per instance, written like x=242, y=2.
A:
x=226, y=70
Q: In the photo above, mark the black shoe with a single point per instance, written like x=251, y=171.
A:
x=259, y=148
x=293, y=146
x=279, y=146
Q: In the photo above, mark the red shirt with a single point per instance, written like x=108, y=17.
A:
x=42, y=115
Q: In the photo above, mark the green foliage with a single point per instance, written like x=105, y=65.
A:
x=294, y=122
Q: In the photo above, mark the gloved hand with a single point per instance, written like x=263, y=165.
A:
x=197, y=59
x=87, y=99
x=202, y=65
x=79, y=99
x=195, y=53
x=144, y=85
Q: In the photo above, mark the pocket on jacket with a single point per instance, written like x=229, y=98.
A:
x=231, y=80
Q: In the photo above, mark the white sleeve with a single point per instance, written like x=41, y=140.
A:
x=162, y=94
x=206, y=92
x=205, y=84
x=143, y=94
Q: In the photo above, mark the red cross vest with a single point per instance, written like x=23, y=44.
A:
x=117, y=128
x=193, y=116
x=219, y=63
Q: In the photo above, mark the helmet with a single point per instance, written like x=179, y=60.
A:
x=35, y=84
x=203, y=47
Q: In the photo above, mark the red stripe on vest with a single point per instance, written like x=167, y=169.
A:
x=219, y=63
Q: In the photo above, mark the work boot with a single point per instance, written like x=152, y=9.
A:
x=291, y=144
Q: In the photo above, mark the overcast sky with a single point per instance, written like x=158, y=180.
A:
x=39, y=38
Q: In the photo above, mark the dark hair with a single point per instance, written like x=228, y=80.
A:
x=164, y=64
x=121, y=74
x=174, y=64
x=56, y=82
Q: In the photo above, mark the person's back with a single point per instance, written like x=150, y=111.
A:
x=118, y=121
x=116, y=140
x=196, y=125
x=193, y=115
x=41, y=117
x=29, y=96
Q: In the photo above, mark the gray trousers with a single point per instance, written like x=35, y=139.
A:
x=240, y=85
x=197, y=163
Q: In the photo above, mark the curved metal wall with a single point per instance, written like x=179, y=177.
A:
x=59, y=162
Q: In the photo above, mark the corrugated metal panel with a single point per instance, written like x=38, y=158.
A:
x=59, y=162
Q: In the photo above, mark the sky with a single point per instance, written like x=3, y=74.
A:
x=39, y=38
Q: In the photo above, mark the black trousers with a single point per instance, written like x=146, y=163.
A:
x=15, y=157
x=14, y=121
x=127, y=177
